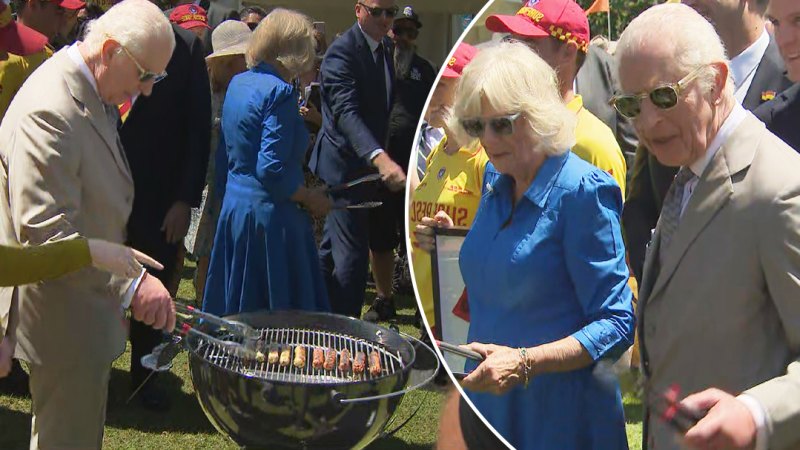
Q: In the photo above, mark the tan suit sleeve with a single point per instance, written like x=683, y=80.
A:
x=780, y=258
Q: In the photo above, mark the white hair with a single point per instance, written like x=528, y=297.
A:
x=513, y=78
x=693, y=44
x=131, y=23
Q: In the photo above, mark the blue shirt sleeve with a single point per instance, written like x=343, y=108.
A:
x=280, y=176
x=595, y=258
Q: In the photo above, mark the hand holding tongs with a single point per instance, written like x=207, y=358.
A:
x=456, y=350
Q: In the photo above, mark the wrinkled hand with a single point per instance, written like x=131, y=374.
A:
x=176, y=222
x=393, y=175
x=727, y=425
x=152, y=304
x=119, y=259
x=500, y=371
x=6, y=355
x=317, y=202
x=423, y=232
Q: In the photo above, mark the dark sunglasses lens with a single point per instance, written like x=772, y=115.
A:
x=473, y=127
x=628, y=106
x=502, y=126
x=664, y=97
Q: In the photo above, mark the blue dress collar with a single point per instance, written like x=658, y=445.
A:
x=542, y=184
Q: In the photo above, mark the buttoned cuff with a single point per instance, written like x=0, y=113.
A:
x=375, y=153
x=759, y=418
x=127, y=298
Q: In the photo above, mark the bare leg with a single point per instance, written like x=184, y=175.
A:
x=382, y=264
x=450, y=437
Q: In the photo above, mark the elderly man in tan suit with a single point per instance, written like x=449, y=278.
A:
x=719, y=310
x=63, y=174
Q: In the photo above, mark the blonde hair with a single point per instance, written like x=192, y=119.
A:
x=131, y=23
x=693, y=44
x=286, y=37
x=513, y=78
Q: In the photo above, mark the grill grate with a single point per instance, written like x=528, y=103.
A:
x=283, y=337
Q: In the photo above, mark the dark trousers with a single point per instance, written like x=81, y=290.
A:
x=344, y=258
x=143, y=337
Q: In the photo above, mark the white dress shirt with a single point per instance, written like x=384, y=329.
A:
x=698, y=167
x=745, y=64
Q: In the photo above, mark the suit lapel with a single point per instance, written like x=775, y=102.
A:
x=712, y=193
x=769, y=76
x=95, y=112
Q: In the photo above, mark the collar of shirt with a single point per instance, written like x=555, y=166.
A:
x=373, y=44
x=575, y=104
x=76, y=57
x=541, y=185
x=728, y=126
x=744, y=65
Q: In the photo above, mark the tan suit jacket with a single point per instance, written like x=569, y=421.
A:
x=63, y=174
x=724, y=309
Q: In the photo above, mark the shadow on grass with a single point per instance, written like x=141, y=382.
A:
x=17, y=427
x=633, y=412
x=184, y=416
x=394, y=443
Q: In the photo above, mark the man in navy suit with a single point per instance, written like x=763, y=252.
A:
x=357, y=80
x=781, y=114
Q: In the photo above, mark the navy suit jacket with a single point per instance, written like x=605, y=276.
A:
x=354, y=121
x=781, y=115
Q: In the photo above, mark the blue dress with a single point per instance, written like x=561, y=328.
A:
x=264, y=255
x=552, y=266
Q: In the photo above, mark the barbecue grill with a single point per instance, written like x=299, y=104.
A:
x=261, y=404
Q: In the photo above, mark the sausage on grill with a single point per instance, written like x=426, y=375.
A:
x=286, y=356
x=359, y=363
x=374, y=363
x=318, y=358
x=300, y=357
x=344, y=361
x=330, y=359
x=272, y=355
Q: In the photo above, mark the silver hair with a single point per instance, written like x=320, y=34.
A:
x=693, y=44
x=513, y=78
x=131, y=23
x=284, y=36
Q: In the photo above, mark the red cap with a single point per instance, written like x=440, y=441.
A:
x=189, y=16
x=70, y=4
x=15, y=37
x=461, y=57
x=561, y=19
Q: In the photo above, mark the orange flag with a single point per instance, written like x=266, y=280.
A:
x=598, y=6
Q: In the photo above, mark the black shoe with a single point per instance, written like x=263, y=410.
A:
x=16, y=383
x=153, y=398
x=382, y=309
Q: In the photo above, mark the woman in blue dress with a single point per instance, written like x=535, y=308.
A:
x=264, y=255
x=544, y=264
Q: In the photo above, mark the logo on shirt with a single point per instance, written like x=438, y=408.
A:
x=415, y=74
x=768, y=95
x=440, y=174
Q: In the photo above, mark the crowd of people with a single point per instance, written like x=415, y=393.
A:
x=198, y=130
x=561, y=243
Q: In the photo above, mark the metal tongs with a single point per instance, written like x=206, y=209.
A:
x=466, y=353
x=357, y=181
x=189, y=319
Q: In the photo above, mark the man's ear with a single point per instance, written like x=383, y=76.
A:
x=109, y=49
x=720, y=80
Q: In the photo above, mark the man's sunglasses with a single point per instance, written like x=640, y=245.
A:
x=144, y=75
x=501, y=125
x=411, y=32
x=378, y=12
x=664, y=97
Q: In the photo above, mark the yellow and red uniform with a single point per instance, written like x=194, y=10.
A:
x=452, y=183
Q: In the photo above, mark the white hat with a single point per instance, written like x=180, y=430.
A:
x=231, y=37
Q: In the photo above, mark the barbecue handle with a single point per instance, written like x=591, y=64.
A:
x=404, y=391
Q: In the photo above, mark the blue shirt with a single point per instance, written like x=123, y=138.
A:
x=552, y=266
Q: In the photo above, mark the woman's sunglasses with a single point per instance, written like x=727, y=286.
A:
x=665, y=96
x=501, y=125
x=378, y=12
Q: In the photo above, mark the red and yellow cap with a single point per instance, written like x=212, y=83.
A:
x=461, y=57
x=561, y=19
x=15, y=37
x=189, y=16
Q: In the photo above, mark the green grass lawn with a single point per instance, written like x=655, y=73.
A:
x=186, y=427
